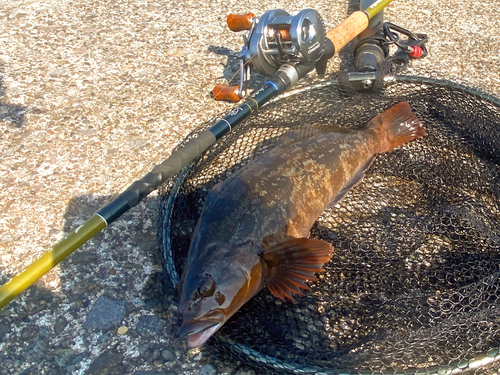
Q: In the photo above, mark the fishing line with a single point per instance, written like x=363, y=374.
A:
x=232, y=77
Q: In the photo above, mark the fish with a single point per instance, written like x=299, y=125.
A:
x=253, y=231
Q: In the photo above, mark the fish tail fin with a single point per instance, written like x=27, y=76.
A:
x=292, y=262
x=396, y=126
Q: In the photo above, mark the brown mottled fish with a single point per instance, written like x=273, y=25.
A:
x=254, y=227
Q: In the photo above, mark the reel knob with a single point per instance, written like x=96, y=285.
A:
x=227, y=93
x=240, y=22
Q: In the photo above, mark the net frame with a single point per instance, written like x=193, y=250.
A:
x=248, y=351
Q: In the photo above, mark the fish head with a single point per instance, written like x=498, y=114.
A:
x=214, y=289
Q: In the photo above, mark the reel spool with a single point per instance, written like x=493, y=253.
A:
x=280, y=38
x=277, y=38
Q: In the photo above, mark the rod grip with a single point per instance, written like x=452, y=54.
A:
x=240, y=22
x=228, y=93
x=351, y=27
x=158, y=175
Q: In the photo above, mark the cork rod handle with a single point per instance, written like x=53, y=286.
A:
x=351, y=27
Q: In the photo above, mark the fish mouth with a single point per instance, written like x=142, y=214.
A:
x=197, y=332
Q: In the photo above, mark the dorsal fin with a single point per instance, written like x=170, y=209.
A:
x=292, y=262
x=308, y=131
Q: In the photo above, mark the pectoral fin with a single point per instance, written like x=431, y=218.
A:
x=292, y=262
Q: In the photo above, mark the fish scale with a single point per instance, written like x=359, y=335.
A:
x=254, y=227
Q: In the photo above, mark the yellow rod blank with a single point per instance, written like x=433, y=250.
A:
x=376, y=7
x=61, y=250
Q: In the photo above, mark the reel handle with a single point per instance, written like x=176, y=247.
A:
x=228, y=93
x=240, y=22
x=346, y=31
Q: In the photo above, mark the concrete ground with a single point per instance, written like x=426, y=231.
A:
x=92, y=95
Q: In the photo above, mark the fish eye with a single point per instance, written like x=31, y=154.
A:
x=207, y=287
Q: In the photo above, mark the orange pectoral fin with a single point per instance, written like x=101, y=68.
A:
x=292, y=262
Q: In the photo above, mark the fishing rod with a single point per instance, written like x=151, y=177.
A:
x=300, y=45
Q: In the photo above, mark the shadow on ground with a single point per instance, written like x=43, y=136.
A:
x=14, y=114
x=115, y=280
x=231, y=71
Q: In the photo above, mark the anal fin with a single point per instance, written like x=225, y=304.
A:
x=292, y=262
x=352, y=182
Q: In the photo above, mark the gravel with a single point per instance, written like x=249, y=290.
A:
x=106, y=313
x=92, y=95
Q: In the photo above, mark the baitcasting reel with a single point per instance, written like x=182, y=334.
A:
x=276, y=39
x=299, y=42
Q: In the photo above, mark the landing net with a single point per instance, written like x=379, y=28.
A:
x=414, y=284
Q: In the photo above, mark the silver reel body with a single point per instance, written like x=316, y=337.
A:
x=280, y=38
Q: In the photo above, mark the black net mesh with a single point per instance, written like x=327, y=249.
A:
x=413, y=286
